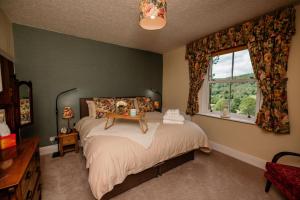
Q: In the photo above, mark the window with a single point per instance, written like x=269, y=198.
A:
x=231, y=85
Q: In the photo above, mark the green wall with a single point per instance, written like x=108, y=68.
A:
x=56, y=62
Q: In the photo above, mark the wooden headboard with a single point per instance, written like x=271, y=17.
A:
x=84, y=110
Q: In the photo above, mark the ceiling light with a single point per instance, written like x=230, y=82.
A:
x=153, y=14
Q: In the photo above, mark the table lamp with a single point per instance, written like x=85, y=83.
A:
x=56, y=154
x=157, y=104
x=68, y=114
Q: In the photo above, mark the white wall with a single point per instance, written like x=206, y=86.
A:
x=246, y=138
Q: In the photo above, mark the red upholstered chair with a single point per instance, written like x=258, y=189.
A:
x=286, y=178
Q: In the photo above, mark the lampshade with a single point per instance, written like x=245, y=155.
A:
x=156, y=104
x=68, y=112
x=153, y=14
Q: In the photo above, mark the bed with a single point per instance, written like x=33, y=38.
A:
x=118, y=163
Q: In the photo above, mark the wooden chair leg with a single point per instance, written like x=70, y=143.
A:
x=268, y=185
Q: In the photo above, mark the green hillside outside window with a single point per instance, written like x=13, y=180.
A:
x=232, y=84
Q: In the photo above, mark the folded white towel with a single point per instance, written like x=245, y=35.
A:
x=165, y=121
x=179, y=118
x=173, y=112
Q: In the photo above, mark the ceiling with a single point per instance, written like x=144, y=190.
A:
x=116, y=21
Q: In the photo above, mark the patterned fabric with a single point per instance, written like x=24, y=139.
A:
x=145, y=104
x=103, y=106
x=25, y=111
x=269, y=54
x=157, y=8
x=268, y=39
x=128, y=101
x=285, y=178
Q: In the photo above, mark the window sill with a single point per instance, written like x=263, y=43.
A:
x=231, y=118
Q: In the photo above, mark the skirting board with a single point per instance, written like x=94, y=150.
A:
x=247, y=158
x=48, y=149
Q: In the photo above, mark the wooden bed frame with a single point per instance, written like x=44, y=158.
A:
x=134, y=180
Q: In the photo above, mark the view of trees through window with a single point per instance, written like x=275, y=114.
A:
x=232, y=84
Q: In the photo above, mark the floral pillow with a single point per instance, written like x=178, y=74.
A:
x=125, y=104
x=145, y=104
x=103, y=106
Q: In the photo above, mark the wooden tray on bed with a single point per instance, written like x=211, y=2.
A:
x=140, y=118
x=139, y=178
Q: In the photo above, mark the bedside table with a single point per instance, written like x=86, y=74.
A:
x=68, y=142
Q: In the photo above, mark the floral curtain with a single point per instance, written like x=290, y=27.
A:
x=268, y=39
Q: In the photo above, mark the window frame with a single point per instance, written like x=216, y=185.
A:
x=204, y=93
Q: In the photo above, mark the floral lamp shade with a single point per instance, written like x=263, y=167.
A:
x=68, y=112
x=153, y=14
x=156, y=105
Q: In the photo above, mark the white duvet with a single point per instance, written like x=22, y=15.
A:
x=111, y=159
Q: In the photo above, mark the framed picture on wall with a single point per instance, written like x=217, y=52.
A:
x=2, y=115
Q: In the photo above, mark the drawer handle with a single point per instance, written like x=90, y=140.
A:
x=29, y=195
x=28, y=175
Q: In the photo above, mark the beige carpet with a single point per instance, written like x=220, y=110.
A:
x=208, y=177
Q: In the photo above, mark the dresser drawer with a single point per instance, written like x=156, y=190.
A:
x=37, y=191
x=33, y=184
x=69, y=140
x=26, y=180
x=30, y=178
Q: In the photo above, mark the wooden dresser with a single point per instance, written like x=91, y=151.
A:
x=21, y=181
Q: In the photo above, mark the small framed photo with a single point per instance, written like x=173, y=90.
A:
x=2, y=116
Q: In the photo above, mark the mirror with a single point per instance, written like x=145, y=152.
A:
x=26, y=108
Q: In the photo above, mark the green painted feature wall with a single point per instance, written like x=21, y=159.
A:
x=56, y=62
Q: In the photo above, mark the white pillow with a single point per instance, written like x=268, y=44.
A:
x=92, y=108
